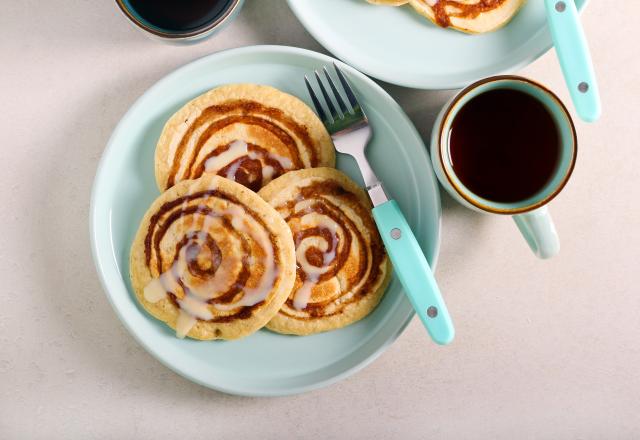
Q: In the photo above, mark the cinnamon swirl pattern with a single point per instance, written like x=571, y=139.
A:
x=342, y=267
x=471, y=16
x=245, y=132
x=212, y=259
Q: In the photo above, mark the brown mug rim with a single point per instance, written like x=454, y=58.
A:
x=447, y=116
x=178, y=35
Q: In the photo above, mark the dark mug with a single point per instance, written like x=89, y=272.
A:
x=191, y=21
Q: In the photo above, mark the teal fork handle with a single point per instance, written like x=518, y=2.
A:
x=414, y=271
x=575, y=60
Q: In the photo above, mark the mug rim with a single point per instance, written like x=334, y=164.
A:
x=179, y=35
x=447, y=119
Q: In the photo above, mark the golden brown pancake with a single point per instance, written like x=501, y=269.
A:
x=212, y=259
x=471, y=16
x=246, y=132
x=343, y=269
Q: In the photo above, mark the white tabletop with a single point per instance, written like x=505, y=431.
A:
x=544, y=349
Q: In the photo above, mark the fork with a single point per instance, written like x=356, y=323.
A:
x=573, y=53
x=350, y=131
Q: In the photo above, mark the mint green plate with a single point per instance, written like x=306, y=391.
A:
x=265, y=363
x=401, y=47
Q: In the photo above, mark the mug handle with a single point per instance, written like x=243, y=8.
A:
x=538, y=229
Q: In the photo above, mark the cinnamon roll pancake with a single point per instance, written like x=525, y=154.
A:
x=342, y=267
x=471, y=16
x=212, y=259
x=245, y=132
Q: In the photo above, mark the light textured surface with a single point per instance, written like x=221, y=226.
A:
x=544, y=350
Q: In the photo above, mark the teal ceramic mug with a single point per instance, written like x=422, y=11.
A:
x=215, y=17
x=530, y=215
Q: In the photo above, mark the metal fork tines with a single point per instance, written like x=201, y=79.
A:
x=347, y=124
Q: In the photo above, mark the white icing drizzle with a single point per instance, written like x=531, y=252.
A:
x=313, y=273
x=184, y=324
x=194, y=305
x=233, y=169
x=236, y=150
x=303, y=204
x=303, y=294
x=267, y=172
x=284, y=162
x=154, y=291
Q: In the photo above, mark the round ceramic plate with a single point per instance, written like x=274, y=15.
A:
x=397, y=45
x=264, y=363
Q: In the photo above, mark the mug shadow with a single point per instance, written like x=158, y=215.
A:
x=69, y=285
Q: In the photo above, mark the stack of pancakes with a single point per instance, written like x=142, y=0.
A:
x=254, y=226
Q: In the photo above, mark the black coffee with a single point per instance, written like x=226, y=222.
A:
x=504, y=145
x=179, y=15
